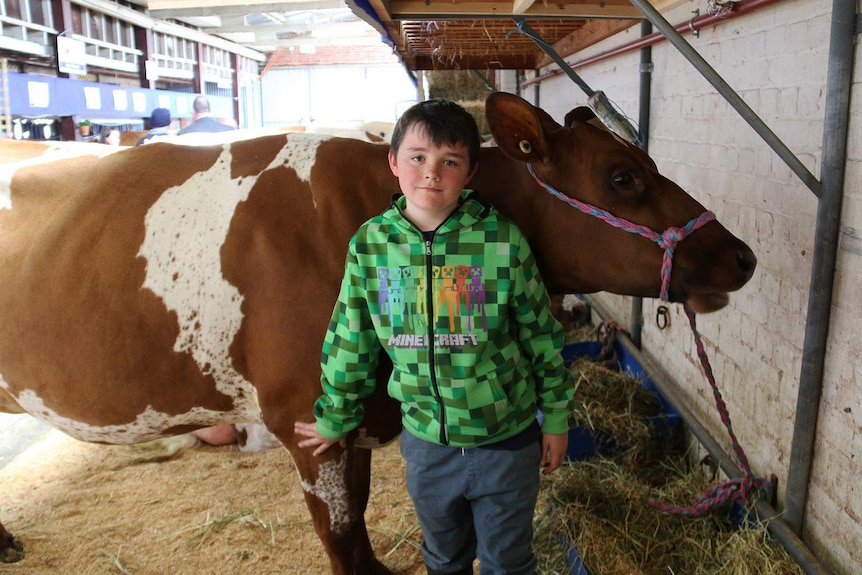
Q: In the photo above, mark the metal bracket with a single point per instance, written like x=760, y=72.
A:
x=694, y=32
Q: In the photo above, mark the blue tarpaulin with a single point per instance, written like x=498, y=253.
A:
x=35, y=96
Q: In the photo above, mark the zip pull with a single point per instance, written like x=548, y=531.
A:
x=427, y=247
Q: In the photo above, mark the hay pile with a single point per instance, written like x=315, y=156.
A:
x=580, y=332
x=598, y=507
x=623, y=417
x=465, y=87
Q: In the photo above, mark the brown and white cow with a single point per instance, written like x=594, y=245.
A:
x=159, y=289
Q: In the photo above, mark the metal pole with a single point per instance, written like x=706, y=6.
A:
x=729, y=94
x=637, y=320
x=536, y=91
x=484, y=79
x=838, y=81
x=549, y=50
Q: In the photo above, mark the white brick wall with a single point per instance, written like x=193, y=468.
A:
x=777, y=59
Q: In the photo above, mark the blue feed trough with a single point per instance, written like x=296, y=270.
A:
x=583, y=442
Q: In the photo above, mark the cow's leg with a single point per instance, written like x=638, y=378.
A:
x=563, y=316
x=10, y=548
x=336, y=487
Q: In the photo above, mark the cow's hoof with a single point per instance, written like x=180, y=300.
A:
x=12, y=551
x=380, y=569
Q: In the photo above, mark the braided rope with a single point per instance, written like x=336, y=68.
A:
x=667, y=240
x=738, y=489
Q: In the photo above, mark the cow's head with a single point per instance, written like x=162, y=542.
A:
x=589, y=164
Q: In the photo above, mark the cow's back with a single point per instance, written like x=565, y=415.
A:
x=169, y=281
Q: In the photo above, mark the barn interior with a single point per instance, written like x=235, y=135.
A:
x=485, y=36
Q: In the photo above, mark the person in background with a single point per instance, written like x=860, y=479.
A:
x=160, y=126
x=470, y=387
x=110, y=136
x=202, y=121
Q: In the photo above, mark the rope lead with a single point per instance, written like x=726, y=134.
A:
x=739, y=489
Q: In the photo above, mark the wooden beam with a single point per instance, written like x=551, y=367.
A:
x=512, y=62
x=441, y=10
x=595, y=31
x=381, y=9
x=665, y=5
x=521, y=6
x=590, y=33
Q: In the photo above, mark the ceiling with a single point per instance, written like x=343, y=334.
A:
x=427, y=34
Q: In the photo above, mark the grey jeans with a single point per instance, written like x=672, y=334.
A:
x=474, y=503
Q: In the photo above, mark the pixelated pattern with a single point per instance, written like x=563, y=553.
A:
x=468, y=327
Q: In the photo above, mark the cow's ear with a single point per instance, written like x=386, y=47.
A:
x=519, y=128
x=580, y=114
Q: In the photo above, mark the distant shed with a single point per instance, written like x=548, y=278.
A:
x=334, y=85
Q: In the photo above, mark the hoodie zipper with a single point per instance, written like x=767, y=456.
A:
x=429, y=310
x=429, y=301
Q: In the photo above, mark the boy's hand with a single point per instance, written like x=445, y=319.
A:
x=314, y=438
x=553, y=451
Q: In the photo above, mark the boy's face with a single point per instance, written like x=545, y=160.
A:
x=430, y=176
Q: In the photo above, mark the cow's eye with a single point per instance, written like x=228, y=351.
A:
x=623, y=179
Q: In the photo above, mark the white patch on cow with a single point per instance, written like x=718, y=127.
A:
x=300, y=153
x=185, y=231
x=146, y=425
x=53, y=152
x=8, y=403
x=257, y=438
x=332, y=490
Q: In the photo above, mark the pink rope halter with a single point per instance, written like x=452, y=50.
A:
x=738, y=489
x=667, y=240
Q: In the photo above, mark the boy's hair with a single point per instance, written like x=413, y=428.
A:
x=446, y=123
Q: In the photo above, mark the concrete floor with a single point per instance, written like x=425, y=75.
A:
x=17, y=433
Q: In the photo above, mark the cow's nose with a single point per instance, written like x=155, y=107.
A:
x=747, y=261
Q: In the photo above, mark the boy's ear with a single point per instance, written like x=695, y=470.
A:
x=393, y=166
x=473, y=171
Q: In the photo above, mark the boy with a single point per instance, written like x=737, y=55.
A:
x=450, y=289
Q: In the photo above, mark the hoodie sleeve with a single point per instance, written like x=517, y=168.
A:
x=349, y=357
x=541, y=338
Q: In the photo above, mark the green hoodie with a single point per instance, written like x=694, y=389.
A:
x=465, y=317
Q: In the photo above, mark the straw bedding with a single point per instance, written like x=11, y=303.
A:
x=90, y=509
